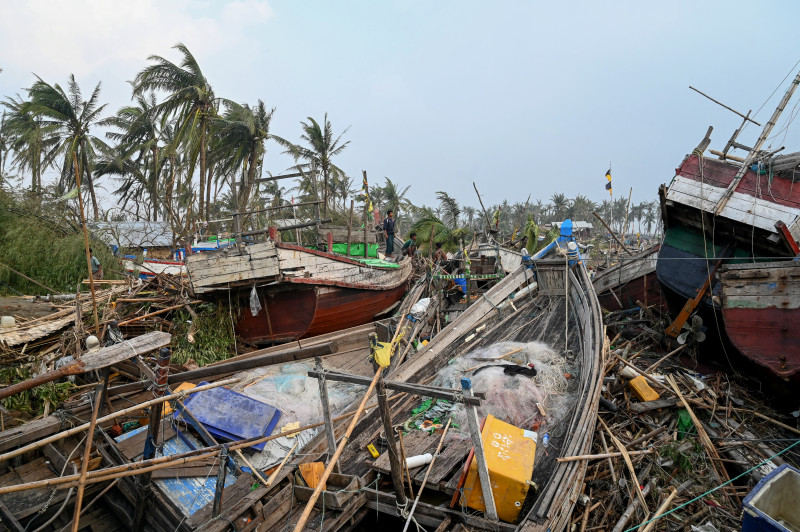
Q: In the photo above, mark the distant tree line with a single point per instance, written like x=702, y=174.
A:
x=182, y=153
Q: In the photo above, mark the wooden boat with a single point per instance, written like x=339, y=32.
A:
x=632, y=279
x=722, y=212
x=287, y=292
x=760, y=305
x=538, y=315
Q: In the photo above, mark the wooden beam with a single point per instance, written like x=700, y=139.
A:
x=276, y=177
x=417, y=389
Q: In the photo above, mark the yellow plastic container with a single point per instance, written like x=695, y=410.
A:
x=510, y=452
x=183, y=387
x=643, y=390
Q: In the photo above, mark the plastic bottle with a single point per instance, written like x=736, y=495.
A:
x=546, y=440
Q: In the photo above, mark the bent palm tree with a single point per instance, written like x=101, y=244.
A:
x=190, y=98
x=241, y=133
x=25, y=136
x=139, y=134
x=319, y=152
x=67, y=119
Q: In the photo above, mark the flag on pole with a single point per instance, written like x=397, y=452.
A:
x=608, y=185
x=367, y=200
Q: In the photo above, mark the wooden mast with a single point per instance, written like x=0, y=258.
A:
x=760, y=142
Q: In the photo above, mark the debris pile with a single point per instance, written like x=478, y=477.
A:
x=674, y=449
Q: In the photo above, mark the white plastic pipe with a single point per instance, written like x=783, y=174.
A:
x=419, y=460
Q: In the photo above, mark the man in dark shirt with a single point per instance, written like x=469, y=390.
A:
x=388, y=232
x=410, y=247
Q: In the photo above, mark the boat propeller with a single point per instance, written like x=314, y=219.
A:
x=691, y=332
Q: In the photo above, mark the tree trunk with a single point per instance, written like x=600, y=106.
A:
x=202, y=164
x=325, y=192
x=89, y=179
x=208, y=188
x=154, y=191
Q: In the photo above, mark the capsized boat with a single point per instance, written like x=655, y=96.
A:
x=287, y=292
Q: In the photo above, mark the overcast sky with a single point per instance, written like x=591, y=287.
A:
x=520, y=97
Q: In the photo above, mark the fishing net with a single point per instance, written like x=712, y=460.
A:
x=515, y=377
x=288, y=388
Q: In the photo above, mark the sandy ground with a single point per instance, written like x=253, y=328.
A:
x=24, y=307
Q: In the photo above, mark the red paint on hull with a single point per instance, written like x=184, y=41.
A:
x=768, y=336
x=721, y=174
x=291, y=312
x=644, y=289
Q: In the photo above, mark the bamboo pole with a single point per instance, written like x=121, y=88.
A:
x=98, y=402
x=601, y=455
x=314, y=496
x=612, y=233
x=86, y=244
x=661, y=510
x=349, y=228
x=274, y=474
x=34, y=281
x=427, y=472
x=148, y=315
x=119, y=413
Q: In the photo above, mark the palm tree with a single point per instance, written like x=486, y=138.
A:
x=190, y=99
x=67, y=119
x=24, y=135
x=470, y=212
x=139, y=135
x=395, y=196
x=320, y=150
x=431, y=229
x=241, y=133
x=560, y=203
x=450, y=209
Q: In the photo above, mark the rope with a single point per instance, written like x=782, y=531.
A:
x=714, y=489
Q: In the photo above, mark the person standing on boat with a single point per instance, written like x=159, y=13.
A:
x=410, y=247
x=97, y=268
x=388, y=232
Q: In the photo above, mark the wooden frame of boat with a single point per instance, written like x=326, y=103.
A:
x=632, y=279
x=562, y=480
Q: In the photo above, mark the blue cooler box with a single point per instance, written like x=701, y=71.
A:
x=774, y=504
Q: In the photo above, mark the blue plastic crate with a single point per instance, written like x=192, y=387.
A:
x=231, y=415
x=772, y=506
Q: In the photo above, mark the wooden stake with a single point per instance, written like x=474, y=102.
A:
x=86, y=246
x=98, y=401
x=349, y=228
x=326, y=409
x=601, y=455
x=480, y=457
x=394, y=457
x=427, y=472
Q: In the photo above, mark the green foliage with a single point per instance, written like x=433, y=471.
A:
x=213, y=335
x=33, y=401
x=52, y=252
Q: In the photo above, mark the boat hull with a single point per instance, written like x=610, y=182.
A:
x=295, y=310
x=760, y=309
x=634, y=279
